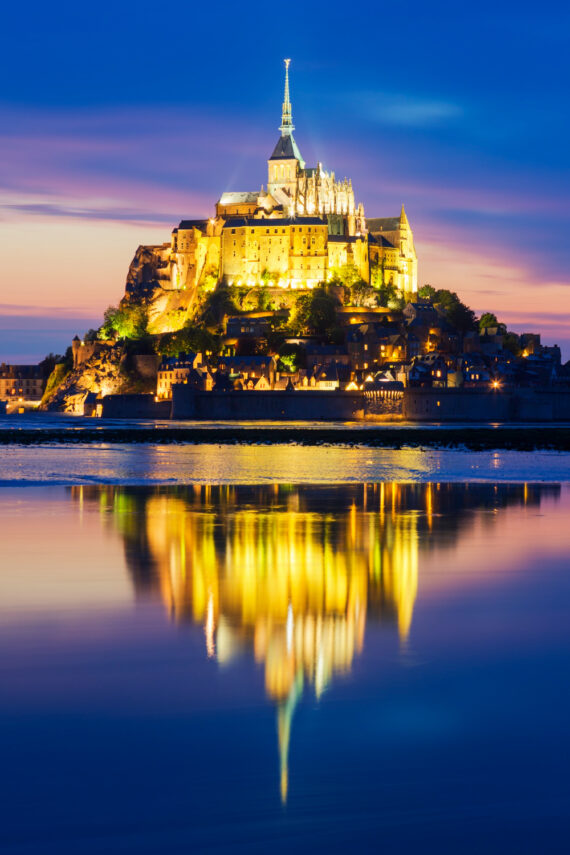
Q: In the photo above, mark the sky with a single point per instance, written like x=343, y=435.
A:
x=119, y=119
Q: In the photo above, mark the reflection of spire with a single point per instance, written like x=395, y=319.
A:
x=210, y=627
x=287, y=126
x=404, y=587
x=285, y=713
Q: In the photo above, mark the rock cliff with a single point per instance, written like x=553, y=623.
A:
x=149, y=284
x=109, y=371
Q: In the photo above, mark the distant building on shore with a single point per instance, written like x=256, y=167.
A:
x=21, y=382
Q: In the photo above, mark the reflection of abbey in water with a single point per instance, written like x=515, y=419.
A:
x=291, y=573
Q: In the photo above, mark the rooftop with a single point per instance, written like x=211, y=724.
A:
x=239, y=198
x=261, y=222
x=383, y=224
x=192, y=224
x=287, y=149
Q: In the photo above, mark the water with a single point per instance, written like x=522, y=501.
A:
x=67, y=464
x=41, y=421
x=277, y=667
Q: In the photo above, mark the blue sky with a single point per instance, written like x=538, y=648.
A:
x=120, y=119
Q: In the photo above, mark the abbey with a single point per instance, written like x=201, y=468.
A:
x=295, y=234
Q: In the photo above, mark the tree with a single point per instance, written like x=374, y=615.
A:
x=49, y=362
x=361, y=295
x=126, y=321
x=292, y=357
x=348, y=275
x=218, y=304
x=264, y=301
x=511, y=342
x=427, y=292
x=313, y=311
x=457, y=313
x=377, y=274
x=390, y=297
x=192, y=337
x=488, y=319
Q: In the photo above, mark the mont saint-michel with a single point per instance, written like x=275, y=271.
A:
x=303, y=229
x=294, y=288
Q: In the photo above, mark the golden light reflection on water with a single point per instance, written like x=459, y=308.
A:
x=291, y=574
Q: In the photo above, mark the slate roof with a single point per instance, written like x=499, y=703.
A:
x=192, y=224
x=380, y=240
x=383, y=224
x=286, y=149
x=183, y=360
x=20, y=372
x=245, y=361
x=273, y=221
x=239, y=198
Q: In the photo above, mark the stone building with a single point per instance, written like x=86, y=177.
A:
x=393, y=258
x=176, y=369
x=21, y=382
x=295, y=233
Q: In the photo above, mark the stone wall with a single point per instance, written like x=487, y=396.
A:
x=135, y=407
x=188, y=403
x=522, y=405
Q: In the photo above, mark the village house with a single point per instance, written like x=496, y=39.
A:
x=176, y=369
x=248, y=368
x=25, y=382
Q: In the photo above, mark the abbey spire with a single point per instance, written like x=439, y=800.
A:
x=286, y=160
x=287, y=126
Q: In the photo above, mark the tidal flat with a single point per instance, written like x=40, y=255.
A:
x=470, y=436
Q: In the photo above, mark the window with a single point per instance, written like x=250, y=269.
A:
x=233, y=231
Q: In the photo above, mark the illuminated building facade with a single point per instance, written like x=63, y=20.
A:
x=295, y=233
x=21, y=382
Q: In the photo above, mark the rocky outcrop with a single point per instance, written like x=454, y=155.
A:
x=107, y=372
x=148, y=271
x=149, y=284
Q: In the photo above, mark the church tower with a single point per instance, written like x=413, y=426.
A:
x=286, y=161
